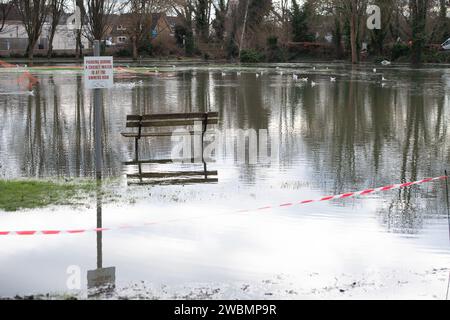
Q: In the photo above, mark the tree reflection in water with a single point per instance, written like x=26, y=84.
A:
x=352, y=133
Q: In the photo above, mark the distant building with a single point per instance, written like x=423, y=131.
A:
x=119, y=34
x=14, y=36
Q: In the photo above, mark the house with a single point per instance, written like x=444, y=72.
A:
x=14, y=36
x=119, y=33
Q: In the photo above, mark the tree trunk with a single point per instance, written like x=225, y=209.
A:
x=135, y=49
x=79, y=49
x=30, y=48
x=337, y=38
x=241, y=43
x=77, y=53
x=50, y=45
x=419, y=14
x=353, y=33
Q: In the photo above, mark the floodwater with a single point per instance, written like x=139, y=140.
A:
x=332, y=137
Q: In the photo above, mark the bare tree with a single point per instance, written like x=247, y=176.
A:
x=139, y=19
x=79, y=32
x=33, y=14
x=5, y=9
x=353, y=11
x=221, y=8
x=98, y=14
x=56, y=10
x=418, y=11
x=185, y=10
x=378, y=36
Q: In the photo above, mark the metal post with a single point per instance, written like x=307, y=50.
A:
x=99, y=225
x=98, y=122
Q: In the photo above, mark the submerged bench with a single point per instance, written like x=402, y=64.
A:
x=173, y=177
x=143, y=126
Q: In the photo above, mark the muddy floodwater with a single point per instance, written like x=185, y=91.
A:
x=190, y=240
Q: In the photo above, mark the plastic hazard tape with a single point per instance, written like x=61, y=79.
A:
x=283, y=205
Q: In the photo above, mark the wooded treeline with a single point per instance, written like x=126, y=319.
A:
x=258, y=30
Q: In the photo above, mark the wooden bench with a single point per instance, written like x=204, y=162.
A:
x=147, y=126
x=144, y=125
x=172, y=177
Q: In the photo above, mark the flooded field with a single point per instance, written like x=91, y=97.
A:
x=343, y=129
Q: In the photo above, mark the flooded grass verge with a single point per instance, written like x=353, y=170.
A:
x=29, y=194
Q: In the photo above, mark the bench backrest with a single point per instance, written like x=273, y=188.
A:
x=171, y=119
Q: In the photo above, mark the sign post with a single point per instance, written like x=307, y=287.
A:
x=98, y=74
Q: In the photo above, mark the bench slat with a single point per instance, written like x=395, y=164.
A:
x=171, y=174
x=167, y=123
x=176, y=181
x=172, y=116
x=163, y=161
x=158, y=134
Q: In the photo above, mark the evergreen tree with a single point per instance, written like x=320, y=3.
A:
x=300, y=19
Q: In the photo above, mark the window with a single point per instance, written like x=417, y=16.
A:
x=121, y=28
x=122, y=39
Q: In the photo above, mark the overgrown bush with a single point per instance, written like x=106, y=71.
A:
x=124, y=52
x=437, y=57
x=185, y=38
x=251, y=56
x=400, y=50
x=274, y=52
x=146, y=48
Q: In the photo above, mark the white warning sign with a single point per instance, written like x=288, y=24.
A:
x=98, y=72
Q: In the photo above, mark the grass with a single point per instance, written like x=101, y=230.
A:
x=29, y=194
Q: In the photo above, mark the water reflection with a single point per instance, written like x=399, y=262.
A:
x=337, y=136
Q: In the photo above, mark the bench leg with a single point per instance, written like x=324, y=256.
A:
x=136, y=149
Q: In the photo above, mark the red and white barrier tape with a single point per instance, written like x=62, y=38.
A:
x=283, y=205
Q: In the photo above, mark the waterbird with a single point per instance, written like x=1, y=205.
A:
x=383, y=78
x=313, y=84
x=374, y=70
x=257, y=75
x=385, y=63
x=223, y=74
x=332, y=79
x=304, y=79
x=238, y=73
x=295, y=77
